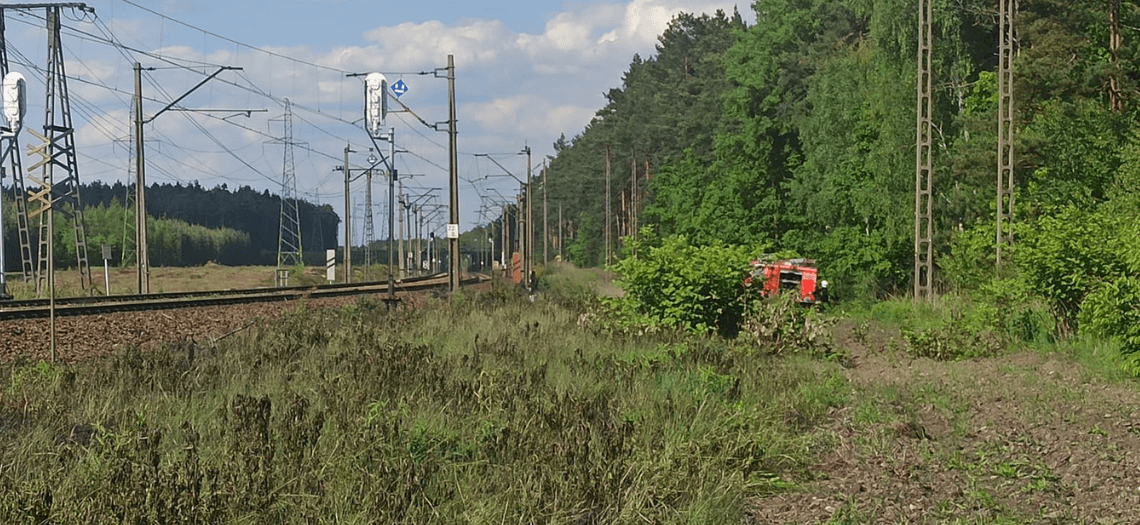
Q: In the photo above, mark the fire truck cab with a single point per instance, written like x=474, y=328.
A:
x=798, y=276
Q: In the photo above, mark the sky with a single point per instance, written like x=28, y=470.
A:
x=527, y=72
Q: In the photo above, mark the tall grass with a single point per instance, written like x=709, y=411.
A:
x=479, y=408
x=956, y=326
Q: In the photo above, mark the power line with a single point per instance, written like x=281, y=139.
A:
x=232, y=41
x=107, y=126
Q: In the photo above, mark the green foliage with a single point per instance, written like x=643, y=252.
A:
x=1112, y=309
x=951, y=342
x=970, y=263
x=1062, y=265
x=781, y=325
x=172, y=242
x=667, y=104
x=1077, y=149
x=679, y=286
x=255, y=213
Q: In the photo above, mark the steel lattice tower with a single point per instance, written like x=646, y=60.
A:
x=1005, y=127
x=12, y=157
x=923, y=226
x=289, y=240
x=58, y=151
x=130, y=224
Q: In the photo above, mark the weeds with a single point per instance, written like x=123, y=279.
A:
x=473, y=410
x=781, y=325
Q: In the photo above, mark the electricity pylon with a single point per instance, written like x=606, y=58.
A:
x=57, y=152
x=289, y=251
x=27, y=257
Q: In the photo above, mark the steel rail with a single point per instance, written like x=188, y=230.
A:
x=78, y=306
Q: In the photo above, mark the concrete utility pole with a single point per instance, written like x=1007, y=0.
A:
x=391, y=211
x=419, y=213
x=400, y=196
x=1005, y=128
x=142, y=260
x=505, y=243
x=529, y=255
x=923, y=227
x=453, y=221
x=545, y=221
x=369, y=226
x=347, y=218
x=520, y=226
x=609, y=210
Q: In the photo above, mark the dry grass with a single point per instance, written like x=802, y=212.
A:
x=176, y=279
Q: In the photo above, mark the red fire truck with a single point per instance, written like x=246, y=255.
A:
x=795, y=275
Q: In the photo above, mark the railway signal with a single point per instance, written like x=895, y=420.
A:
x=15, y=106
x=375, y=104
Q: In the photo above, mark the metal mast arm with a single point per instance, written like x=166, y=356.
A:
x=193, y=89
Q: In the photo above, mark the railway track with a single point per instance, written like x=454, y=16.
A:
x=95, y=305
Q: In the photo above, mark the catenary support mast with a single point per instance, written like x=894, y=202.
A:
x=1005, y=128
x=19, y=193
x=923, y=227
x=57, y=157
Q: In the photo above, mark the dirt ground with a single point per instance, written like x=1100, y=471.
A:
x=1021, y=438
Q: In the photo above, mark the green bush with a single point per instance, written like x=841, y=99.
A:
x=1112, y=307
x=676, y=285
x=782, y=325
x=1063, y=257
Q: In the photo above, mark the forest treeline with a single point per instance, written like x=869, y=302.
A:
x=188, y=225
x=797, y=134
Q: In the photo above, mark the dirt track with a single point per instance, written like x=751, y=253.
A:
x=1022, y=438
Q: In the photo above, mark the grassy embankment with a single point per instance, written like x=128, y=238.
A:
x=479, y=409
x=490, y=408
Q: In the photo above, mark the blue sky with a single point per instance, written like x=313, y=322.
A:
x=526, y=72
x=309, y=22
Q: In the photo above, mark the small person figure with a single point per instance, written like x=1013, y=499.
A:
x=821, y=293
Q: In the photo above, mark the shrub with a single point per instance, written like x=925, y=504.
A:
x=676, y=285
x=782, y=325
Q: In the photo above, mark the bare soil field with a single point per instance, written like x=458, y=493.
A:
x=1021, y=438
x=209, y=277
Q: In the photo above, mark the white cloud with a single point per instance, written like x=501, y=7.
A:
x=531, y=116
x=513, y=89
x=410, y=45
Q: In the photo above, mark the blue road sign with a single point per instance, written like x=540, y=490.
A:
x=399, y=88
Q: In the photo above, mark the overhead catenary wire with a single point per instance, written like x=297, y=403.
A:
x=97, y=31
